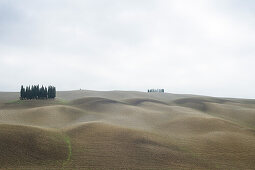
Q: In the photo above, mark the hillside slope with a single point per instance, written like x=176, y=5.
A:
x=117, y=129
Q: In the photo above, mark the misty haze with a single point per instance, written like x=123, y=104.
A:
x=127, y=84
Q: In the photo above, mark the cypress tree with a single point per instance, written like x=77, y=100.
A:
x=49, y=92
x=32, y=92
x=45, y=93
x=36, y=92
x=25, y=94
x=54, y=92
x=29, y=93
x=22, y=92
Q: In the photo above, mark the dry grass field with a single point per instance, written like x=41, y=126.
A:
x=126, y=130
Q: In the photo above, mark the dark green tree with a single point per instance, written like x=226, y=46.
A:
x=49, y=92
x=22, y=93
x=53, y=92
x=37, y=92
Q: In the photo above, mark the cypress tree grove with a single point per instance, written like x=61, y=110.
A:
x=37, y=92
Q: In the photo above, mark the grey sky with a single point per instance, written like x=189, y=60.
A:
x=201, y=46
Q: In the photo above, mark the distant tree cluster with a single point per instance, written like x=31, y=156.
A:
x=36, y=92
x=156, y=90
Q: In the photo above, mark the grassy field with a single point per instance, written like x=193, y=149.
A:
x=132, y=130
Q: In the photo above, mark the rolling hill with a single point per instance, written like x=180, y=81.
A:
x=121, y=129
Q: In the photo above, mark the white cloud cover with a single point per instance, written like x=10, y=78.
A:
x=200, y=46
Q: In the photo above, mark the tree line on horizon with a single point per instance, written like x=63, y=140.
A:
x=36, y=92
x=156, y=90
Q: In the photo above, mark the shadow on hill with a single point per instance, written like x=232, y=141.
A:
x=55, y=116
x=139, y=101
x=198, y=103
x=22, y=104
x=22, y=146
x=104, y=146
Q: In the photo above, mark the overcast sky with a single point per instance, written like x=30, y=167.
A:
x=201, y=46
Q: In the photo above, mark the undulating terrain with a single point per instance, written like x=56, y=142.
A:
x=133, y=130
